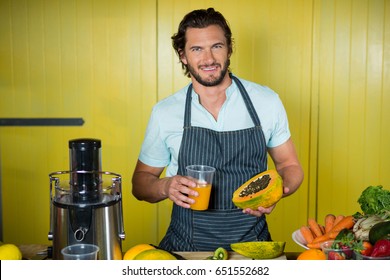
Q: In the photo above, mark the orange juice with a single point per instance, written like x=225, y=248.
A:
x=202, y=201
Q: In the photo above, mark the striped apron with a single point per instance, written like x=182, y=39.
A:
x=237, y=156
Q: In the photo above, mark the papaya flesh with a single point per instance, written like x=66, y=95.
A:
x=259, y=250
x=264, y=189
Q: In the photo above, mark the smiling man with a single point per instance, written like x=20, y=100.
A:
x=218, y=120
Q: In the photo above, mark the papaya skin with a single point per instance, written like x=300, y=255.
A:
x=259, y=249
x=264, y=198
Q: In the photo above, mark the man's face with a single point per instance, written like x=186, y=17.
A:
x=206, y=55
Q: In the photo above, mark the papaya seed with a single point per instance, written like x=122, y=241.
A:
x=256, y=185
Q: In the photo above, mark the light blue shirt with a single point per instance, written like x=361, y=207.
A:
x=165, y=129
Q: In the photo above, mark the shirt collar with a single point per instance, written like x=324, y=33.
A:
x=229, y=91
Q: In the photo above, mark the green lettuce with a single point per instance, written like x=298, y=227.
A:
x=374, y=200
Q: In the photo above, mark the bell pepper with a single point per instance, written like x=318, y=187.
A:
x=381, y=248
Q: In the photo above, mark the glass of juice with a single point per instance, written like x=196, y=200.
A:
x=203, y=176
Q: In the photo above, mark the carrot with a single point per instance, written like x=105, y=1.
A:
x=314, y=226
x=322, y=229
x=346, y=222
x=338, y=219
x=307, y=234
x=322, y=238
x=333, y=233
x=329, y=222
x=314, y=245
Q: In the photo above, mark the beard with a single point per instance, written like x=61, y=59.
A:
x=212, y=80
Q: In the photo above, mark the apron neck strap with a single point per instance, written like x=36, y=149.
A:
x=244, y=94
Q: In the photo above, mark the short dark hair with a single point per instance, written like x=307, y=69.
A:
x=200, y=19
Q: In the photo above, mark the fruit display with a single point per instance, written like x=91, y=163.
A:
x=364, y=235
x=264, y=189
x=259, y=249
x=252, y=250
x=10, y=252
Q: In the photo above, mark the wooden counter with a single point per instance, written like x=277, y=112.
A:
x=204, y=255
x=33, y=251
x=38, y=251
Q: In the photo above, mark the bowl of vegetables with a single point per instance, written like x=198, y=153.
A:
x=379, y=251
x=363, y=257
x=337, y=250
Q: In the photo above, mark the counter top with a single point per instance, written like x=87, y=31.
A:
x=39, y=252
x=204, y=255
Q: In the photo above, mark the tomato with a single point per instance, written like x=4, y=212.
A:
x=367, y=248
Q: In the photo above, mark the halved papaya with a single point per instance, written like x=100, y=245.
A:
x=259, y=249
x=264, y=189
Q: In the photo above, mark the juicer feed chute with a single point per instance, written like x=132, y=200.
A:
x=86, y=203
x=85, y=156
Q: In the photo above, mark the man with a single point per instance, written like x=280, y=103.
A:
x=217, y=120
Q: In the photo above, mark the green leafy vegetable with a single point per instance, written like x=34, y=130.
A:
x=345, y=237
x=374, y=200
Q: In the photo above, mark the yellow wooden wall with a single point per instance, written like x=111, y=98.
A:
x=351, y=85
x=110, y=62
x=86, y=59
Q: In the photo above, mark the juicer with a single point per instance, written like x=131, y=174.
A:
x=86, y=203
